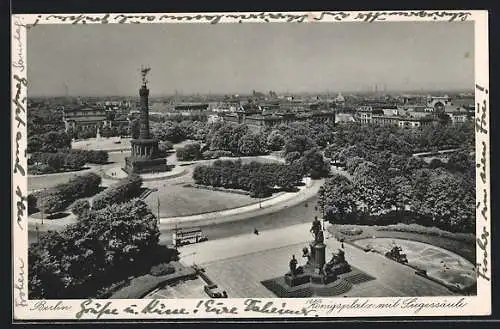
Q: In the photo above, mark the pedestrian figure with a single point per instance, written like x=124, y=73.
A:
x=255, y=231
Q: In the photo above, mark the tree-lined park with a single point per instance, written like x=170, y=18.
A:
x=380, y=183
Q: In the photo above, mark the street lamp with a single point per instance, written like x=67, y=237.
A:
x=323, y=212
x=42, y=206
x=37, y=229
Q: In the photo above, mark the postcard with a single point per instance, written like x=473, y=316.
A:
x=250, y=165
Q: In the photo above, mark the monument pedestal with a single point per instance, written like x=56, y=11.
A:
x=144, y=157
x=297, y=280
x=316, y=272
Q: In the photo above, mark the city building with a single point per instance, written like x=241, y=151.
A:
x=438, y=102
x=274, y=119
x=393, y=116
x=339, y=100
x=188, y=109
x=344, y=118
x=458, y=117
x=82, y=118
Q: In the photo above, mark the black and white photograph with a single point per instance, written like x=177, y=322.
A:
x=254, y=161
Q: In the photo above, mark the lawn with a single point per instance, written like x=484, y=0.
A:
x=457, y=243
x=176, y=200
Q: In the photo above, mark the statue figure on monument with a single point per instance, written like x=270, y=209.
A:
x=341, y=256
x=144, y=72
x=316, y=230
x=293, y=265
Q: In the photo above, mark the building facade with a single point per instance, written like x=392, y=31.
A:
x=84, y=118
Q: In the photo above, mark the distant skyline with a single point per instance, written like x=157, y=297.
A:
x=102, y=60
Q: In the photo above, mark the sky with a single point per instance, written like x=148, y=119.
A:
x=99, y=60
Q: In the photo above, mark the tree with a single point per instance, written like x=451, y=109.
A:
x=189, y=152
x=420, y=181
x=436, y=163
x=275, y=141
x=337, y=199
x=288, y=176
x=291, y=157
x=323, y=138
x=314, y=164
x=75, y=161
x=250, y=144
x=80, y=207
x=105, y=246
x=460, y=162
x=450, y=203
x=34, y=143
x=226, y=137
x=298, y=143
x=55, y=140
x=50, y=201
x=353, y=163
x=45, y=279
x=259, y=187
x=412, y=164
x=398, y=193
x=56, y=160
x=120, y=192
x=368, y=183
x=332, y=151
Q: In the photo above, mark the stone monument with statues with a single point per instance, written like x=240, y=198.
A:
x=316, y=270
x=145, y=157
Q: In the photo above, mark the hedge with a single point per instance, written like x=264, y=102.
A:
x=189, y=152
x=61, y=196
x=80, y=206
x=119, y=192
x=91, y=156
x=32, y=200
x=415, y=228
x=216, y=154
x=46, y=163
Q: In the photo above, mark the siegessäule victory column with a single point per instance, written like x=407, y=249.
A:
x=145, y=157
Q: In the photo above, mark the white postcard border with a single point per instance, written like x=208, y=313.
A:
x=25, y=309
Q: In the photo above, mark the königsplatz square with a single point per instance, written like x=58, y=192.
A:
x=262, y=165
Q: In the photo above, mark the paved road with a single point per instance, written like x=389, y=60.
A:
x=299, y=213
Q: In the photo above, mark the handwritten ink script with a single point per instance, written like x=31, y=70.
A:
x=18, y=62
x=482, y=242
x=20, y=207
x=481, y=124
x=255, y=305
x=91, y=309
x=20, y=109
x=47, y=306
x=413, y=304
x=213, y=18
x=21, y=83
x=20, y=296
